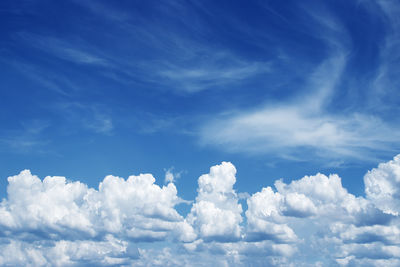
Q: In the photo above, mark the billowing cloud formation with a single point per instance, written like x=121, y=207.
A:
x=382, y=186
x=135, y=208
x=216, y=213
x=310, y=221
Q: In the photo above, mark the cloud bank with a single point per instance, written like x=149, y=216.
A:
x=310, y=221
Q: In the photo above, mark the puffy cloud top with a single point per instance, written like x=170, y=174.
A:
x=382, y=186
x=58, y=222
x=136, y=207
x=216, y=214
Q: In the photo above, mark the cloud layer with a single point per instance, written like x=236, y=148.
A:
x=310, y=221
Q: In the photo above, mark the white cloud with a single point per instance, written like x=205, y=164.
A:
x=218, y=69
x=315, y=117
x=93, y=117
x=317, y=212
x=51, y=206
x=302, y=123
x=170, y=176
x=386, y=78
x=74, y=52
x=58, y=222
x=111, y=251
x=216, y=214
x=135, y=208
x=264, y=218
x=382, y=186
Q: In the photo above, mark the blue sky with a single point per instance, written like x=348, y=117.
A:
x=280, y=90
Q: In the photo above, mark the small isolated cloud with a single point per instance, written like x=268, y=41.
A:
x=59, y=222
x=170, y=176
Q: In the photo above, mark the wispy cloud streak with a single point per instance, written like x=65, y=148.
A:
x=306, y=121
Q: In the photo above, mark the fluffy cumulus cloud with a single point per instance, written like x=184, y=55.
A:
x=311, y=221
x=135, y=208
x=68, y=220
x=382, y=186
x=216, y=214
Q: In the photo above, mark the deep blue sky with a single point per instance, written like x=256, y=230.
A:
x=90, y=88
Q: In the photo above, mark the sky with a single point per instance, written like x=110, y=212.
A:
x=199, y=133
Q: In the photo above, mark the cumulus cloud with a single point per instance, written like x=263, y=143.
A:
x=111, y=251
x=317, y=212
x=382, y=186
x=216, y=214
x=59, y=222
x=135, y=208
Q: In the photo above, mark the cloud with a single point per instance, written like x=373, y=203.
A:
x=73, y=52
x=303, y=123
x=93, y=117
x=48, y=79
x=170, y=176
x=319, y=211
x=59, y=222
x=58, y=209
x=111, y=251
x=316, y=117
x=382, y=186
x=385, y=78
x=214, y=70
x=27, y=137
x=159, y=58
x=216, y=214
